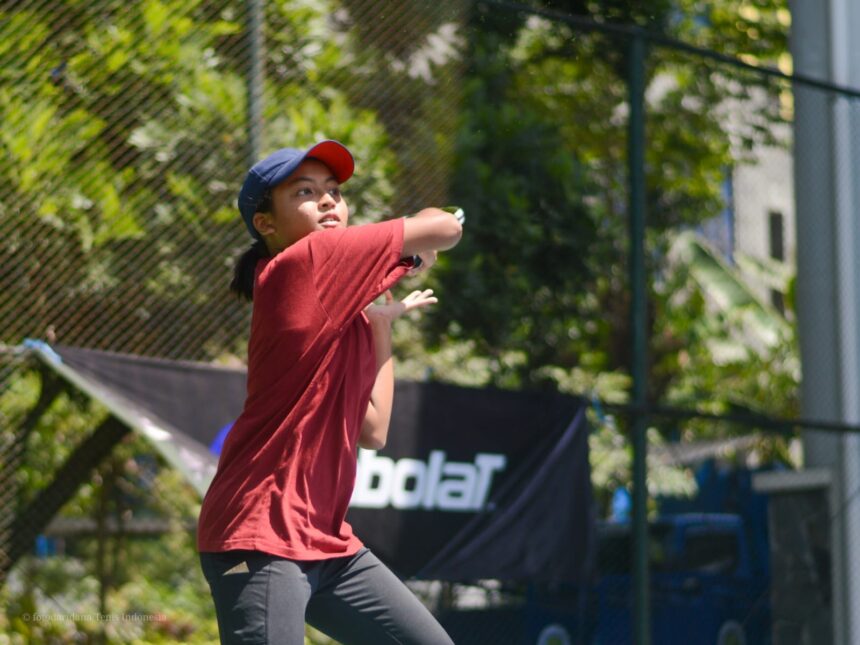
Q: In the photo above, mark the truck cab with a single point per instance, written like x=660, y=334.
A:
x=707, y=587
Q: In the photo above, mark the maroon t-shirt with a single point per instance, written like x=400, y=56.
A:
x=287, y=467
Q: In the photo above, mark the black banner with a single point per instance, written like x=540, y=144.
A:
x=473, y=483
x=479, y=483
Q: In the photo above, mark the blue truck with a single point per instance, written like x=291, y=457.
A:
x=707, y=587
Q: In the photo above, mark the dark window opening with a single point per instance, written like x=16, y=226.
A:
x=776, y=233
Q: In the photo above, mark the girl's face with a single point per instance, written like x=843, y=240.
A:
x=308, y=200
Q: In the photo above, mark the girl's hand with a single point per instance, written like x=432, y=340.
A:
x=393, y=309
x=428, y=259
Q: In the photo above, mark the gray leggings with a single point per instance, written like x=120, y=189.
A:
x=261, y=598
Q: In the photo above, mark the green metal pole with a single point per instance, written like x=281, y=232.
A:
x=256, y=69
x=639, y=322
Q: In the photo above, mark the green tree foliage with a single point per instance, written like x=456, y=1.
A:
x=125, y=143
x=407, y=72
x=736, y=342
x=522, y=268
x=541, y=168
x=105, y=570
x=125, y=147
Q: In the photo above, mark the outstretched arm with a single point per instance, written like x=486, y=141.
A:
x=374, y=429
x=431, y=229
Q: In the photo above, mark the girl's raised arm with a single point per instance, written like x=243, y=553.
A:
x=431, y=229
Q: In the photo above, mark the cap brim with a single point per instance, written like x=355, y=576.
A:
x=334, y=155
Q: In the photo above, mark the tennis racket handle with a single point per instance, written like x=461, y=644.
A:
x=456, y=211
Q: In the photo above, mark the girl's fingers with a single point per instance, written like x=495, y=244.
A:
x=393, y=309
x=422, y=303
x=419, y=299
x=416, y=295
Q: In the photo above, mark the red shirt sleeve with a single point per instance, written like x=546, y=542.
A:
x=353, y=265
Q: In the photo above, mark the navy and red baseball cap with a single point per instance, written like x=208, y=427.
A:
x=279, y=165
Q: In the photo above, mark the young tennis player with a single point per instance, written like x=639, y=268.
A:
x=274, y=545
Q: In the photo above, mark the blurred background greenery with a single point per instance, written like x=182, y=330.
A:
x=126, y=136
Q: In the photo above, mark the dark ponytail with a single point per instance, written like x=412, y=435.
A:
x=243, y=273
x=246, y=265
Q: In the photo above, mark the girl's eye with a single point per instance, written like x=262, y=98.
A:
x=302, y=192
x=334, y=192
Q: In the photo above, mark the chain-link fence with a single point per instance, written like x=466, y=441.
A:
x=126, y=136
x=127, y=130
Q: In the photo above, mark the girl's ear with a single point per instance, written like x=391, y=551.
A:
x=264, y=223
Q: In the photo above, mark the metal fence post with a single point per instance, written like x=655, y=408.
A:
x=639, y=323
x=256, y=70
